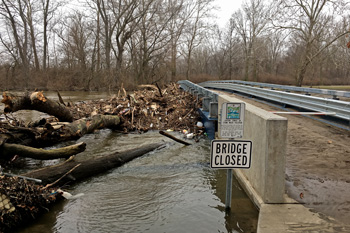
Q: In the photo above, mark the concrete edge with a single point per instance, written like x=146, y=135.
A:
x=248, y=188
x=277, y=218
x=253, y=195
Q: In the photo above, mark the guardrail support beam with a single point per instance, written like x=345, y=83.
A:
x=213, y=110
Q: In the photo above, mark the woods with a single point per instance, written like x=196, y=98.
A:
x=97, y=45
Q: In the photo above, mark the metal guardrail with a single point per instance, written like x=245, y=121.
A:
x=192, y=87
x=306, y=90
x=210, y=98
x=318, y=104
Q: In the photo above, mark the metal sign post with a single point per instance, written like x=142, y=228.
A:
x=231, y=153
x=228, y=189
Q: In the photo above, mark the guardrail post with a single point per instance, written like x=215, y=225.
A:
x=205, y=103
x=199, y=96
x=213, y=110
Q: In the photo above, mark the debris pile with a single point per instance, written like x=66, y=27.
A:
x=155, y=109
x=22, y=200
x=168, y=108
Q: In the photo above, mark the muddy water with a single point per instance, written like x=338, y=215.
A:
x=169, y=190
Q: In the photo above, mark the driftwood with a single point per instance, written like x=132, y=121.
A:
x=17, y=134
x=63, y=131
x=146, y=110
x=9, y=150
x=22, y=201
x=36, y=101
x=89, y=125
x=147, y=87
x=51, y=133
x=60, y=99
x=88, y=167
x=167, y=108
x=174, y=138
x=160, y=90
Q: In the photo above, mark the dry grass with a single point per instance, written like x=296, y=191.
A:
x=337, y=87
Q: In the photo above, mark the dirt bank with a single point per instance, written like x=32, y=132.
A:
x=317, y=164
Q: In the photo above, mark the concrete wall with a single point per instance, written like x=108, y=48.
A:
x=264, y=181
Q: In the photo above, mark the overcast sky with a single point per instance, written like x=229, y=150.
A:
x=227, y=7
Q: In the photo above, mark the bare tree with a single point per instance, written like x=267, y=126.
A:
x=109, y=25
x=250, y=23
x=75, y=41
x=18, y=33
x=198, y=11
x=176, y=27
x=49, y=9
x=23, y=18
x=310, y=21
x=29, y=19
x=127, y=18
x=119, y=19
x=150, y=43
x=275, y=42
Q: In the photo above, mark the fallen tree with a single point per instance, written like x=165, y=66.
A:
x=84, y=126
x=22, y=200
x=36, y=101
x=72, y=171
x=9, y=150
x=62, y=131
x=54, y=132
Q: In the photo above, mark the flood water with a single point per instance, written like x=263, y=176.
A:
x=172, y=189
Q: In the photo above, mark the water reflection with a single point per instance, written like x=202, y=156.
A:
x=243, y=215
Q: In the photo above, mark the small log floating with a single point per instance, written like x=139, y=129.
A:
x=174, y=138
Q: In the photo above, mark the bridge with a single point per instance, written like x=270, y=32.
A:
x=264, y=182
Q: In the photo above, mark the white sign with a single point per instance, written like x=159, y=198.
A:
x=232, y=120
x=230, y=154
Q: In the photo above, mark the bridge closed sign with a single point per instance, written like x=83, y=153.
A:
x=230, y=154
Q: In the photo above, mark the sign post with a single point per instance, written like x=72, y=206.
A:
x=230, y=154
x=228, y=196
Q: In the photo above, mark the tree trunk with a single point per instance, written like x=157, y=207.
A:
x=301, y=74
x=9, y=150
x=85, y=169
x=36, y=101
x=83, y=126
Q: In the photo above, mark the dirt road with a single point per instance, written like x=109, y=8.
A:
x=317, y=164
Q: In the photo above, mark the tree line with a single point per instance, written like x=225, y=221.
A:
x=100, y=44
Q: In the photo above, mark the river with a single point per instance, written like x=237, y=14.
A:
x=169, y=190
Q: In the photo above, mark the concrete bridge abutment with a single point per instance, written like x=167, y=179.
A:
x=264, y=182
